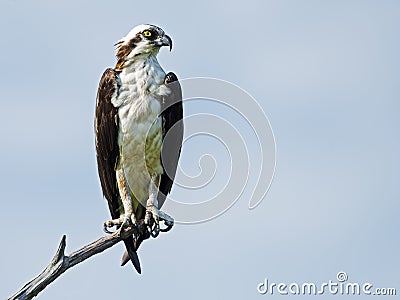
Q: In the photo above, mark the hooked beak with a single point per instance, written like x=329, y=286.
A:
x=166, y=41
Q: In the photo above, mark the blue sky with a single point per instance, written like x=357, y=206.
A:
x=327, y=76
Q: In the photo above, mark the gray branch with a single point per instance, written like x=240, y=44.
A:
x=61, y=262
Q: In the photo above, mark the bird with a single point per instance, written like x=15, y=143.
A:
x=138, y=136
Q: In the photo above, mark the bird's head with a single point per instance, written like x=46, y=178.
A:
x=144, y=39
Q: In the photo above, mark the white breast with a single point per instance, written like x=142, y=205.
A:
x=140, y=134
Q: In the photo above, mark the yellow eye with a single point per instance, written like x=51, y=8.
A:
x=147, y=33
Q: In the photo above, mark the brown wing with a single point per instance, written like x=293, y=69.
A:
x=106, y=131
x=172, y=129
x=107, y=151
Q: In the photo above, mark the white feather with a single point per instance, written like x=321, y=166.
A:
x=142, y=85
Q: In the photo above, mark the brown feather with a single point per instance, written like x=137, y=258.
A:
x=106, y=130
x=107, y=151
x=124, y=50
x=172, y=115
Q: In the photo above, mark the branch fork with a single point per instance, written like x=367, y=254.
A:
x=61, y=262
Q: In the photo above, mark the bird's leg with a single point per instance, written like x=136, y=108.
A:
x=153, y=214
x=128, y=217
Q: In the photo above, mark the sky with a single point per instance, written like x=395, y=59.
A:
x=325, y=73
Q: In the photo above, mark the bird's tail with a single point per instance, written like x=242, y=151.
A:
x=131, y=254
x=136, y=243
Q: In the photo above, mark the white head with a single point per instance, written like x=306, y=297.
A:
x=144, y=39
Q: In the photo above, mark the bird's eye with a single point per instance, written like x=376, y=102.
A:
x=147, y=33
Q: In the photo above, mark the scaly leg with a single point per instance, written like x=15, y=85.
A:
x=153, y=214
x=128, y=217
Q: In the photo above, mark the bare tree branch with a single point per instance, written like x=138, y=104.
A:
x=61, y=262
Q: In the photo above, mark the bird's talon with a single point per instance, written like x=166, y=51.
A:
x=126, y=223
x=153, y=218
x=107, y=225
x=168, y=225
x=155, y=231
x=148, y=218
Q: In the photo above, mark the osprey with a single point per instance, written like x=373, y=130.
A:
x=137, y=104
